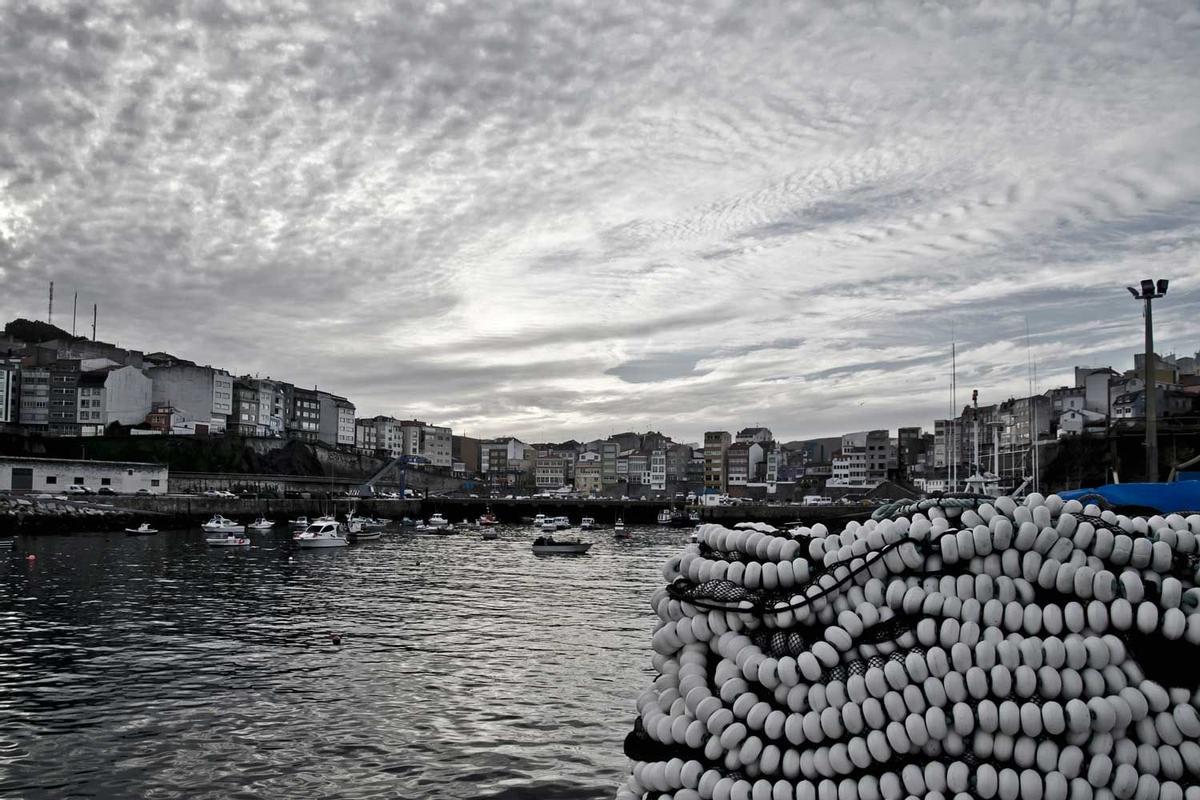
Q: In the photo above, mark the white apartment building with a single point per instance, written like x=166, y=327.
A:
x=121, y=395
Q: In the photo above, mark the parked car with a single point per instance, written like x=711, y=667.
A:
x=79, y=489
x=105, y=490
x=143, y=491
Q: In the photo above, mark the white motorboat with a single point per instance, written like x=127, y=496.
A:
x=548, y=545
x=322, y=534
x=664, y=517
x=436, y=521
x=540, y=520
x=445, y=530
x=228, y=540
x=619, y=530
x=220, y=524
x=141, y=530
x=489, y=534
x=586, y=524
x=299, y=522
x=695, y=535
x=550, y=525
x=260, y=524
x=366, y=534
x=563, y=523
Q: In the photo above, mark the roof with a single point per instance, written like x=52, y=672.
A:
x=83, y=462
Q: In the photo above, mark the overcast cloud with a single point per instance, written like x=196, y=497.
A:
x=559, y=219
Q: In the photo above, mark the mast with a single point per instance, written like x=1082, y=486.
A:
x=954, y=414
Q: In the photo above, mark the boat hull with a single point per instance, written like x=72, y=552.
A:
x=232, y=529
x=228, y=541
x=315, y=544
x=140, y=532
x=489, y=535
x=366, y=536
x=561, y=549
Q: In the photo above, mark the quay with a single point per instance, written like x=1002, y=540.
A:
x=188, y=510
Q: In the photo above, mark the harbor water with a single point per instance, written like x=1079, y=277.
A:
x=159, y=667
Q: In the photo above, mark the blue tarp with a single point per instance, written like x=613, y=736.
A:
x=1166, y=498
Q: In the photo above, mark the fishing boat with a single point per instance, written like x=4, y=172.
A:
x=563, y=523
x=586, y=524
x=548, y=545
x=260, y=524
x=445, y=530
x=299, y=523
x=488, y=518
x=539, y=520
x=322, y=534
x=694, y=538
x=228, y=540
x=141, y=530
x=489, y=534
x=219, y=524
x=366, y=534
x=436, y=521
x=549, y=525
x=619, y=530
x=664, y=517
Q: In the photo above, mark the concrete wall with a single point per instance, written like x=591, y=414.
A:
x=127, y=396
x=189, y=389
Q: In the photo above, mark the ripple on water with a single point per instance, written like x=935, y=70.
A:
x=158, y=667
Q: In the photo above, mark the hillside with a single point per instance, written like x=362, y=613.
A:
x=35, y=331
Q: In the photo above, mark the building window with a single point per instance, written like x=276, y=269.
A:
x=51, y=480
x=154, y=481
x=106, y=481
x=78, y=481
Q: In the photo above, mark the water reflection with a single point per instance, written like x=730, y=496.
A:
x=159, y=667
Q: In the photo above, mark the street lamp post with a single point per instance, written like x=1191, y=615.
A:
x=1150, y=291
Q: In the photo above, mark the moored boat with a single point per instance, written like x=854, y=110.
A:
x=586, y=524
x=322, y=534
x=260, y=524
x=436, y=521
x=563, y=523
x=488, y=518
x=366, y=534
x=299, y=523
x=664, y=517
x=489, y=534
x=229, y=540
x=220, y=524
x=141, y=530
x=619, y=530
x=548, y=545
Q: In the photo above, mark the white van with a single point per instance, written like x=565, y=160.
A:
x=817, y=500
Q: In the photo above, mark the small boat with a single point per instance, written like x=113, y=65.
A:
x=548, y=545
x=366, y=534
x=489, y=534
x=229, y=540
x=372, y=523
x=694, y=538
x=488, y=518
x=219, y=524
x=260, y=524
x=299, y=522
x=586, y=524
x=664, y=517
x=436, y=521
x=550, y=525
x=445, y=530
x=141, y=530
x=407, y=522
x=619, y=530
x=540, y=520
x=563, y=523
x=694, y=517
x=322, y=534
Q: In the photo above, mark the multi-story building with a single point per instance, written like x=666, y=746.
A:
x=610, y=451
x=550, y=473
x=864, y=461
x=10, y=391
x=119, y=395
x=678, y=456
x=1168, y=403
x=637, y=468
x=201, y=394
x=431, y=442
x=695, y=467
x=716, y=449
x=589, y=478
x=304, y=416
x=64, y=398
x=505, y=460
x=34, y=410
x=274, y=400
x=657, y=476
x=466, y=450
x=336, y=423
x=742, y=461
x=244, y=418
x=760, y=435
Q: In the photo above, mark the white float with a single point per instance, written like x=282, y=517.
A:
x=999, y=652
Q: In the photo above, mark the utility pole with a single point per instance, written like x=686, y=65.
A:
x=1150, y=291
x=50, y=310
x=74, y=309
x=94, y=315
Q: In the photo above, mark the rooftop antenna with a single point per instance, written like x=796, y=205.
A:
x=50, y=311
x=95, y=314
x=74, y=310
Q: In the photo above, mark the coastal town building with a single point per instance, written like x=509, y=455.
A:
x=120, y=395
x=716, y=450
x=201, y=394
x=55, y=475
x=589, y=473
x=550, y=473
x=304, y=415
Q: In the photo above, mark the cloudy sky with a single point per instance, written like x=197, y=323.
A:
x=560, y=219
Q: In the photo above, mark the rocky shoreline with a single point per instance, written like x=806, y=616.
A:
x=30, y=515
